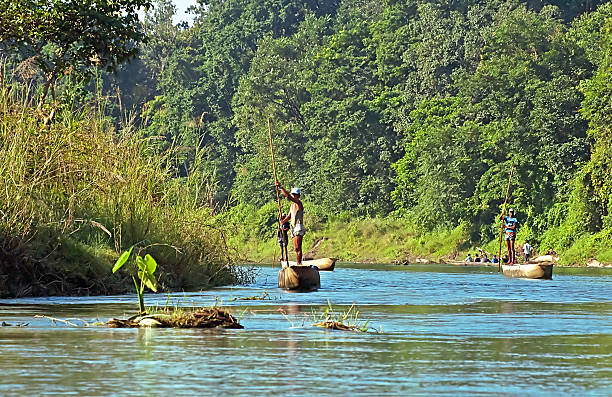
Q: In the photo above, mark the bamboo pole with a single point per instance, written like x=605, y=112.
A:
x=280, y=207
x=501, y=232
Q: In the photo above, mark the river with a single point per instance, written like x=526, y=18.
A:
x=434, y=329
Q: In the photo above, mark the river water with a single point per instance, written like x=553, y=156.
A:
x=434, y=329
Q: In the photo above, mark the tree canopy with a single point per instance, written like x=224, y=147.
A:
x=71, y=36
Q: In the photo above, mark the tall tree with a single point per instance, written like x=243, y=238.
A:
x=520, y=105
x=594, y=34
x=351, y=146
x=70, y=36
x=276, y=87
x=201, y=80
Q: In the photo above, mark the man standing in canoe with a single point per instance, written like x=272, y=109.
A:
x=296, y=215
x=510, y=235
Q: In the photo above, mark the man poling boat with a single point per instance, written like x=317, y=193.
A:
x=508, y=231
x=510, y=223
x=296, y=278
x=501, y=218
x=296, y=216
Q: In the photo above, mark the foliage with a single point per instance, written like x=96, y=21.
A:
x=414, y=109
x=69, y=37
x=597, y=109
x=146, y=270
x=195, y=107
x=519, y=106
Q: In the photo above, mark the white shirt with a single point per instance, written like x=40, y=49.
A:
x=527, y=248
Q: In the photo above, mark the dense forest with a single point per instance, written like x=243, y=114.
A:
x=412, y=110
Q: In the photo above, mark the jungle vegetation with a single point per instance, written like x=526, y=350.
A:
x=411, y=111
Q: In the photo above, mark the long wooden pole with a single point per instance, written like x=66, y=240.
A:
x=280, y=207
x=501, y=232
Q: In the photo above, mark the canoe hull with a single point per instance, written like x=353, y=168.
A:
x=324, y=264
x=299, y=278
x=535, y=270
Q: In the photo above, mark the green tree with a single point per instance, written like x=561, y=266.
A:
x=199, y=85
x=520, y=105
x=351, y=145
x=594, y=33
x=276, y=87
x=72, y=37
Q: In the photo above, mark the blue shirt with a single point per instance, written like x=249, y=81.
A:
x=508, y=222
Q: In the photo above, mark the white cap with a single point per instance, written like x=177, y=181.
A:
x=295, y=190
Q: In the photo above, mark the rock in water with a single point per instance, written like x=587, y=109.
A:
x=149, y=323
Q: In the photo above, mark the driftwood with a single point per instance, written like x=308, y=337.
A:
x=337, y=326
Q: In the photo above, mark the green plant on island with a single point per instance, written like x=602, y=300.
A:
x=180, y=317
x=146, y=270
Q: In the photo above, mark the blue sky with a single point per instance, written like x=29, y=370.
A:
x=181, y=7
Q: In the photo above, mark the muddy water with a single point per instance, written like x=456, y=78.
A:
x=441, y=330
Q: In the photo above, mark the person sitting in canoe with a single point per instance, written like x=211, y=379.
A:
x=469, y=258
x=510, y=235
x=494, y=259
x=484, y=255
x=296, y=215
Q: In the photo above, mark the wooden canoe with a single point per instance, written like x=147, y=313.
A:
x=299, y=278
x=327, y=264
x=529, y=270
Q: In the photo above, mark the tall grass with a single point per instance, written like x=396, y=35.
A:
x=76, y=194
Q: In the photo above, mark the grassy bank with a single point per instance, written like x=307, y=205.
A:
x=371, y=240
x=388, y=240
x=76, y=194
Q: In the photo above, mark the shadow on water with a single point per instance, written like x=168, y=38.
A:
x=443, y=330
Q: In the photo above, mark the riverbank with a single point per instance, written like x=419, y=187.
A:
x=78, y=193
x=395, y=240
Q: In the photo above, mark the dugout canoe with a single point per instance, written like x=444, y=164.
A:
x=529, y=270
x=299, y=278
x=324, y=264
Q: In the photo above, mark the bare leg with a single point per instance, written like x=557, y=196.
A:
x=513, y=253
x=509, y=252
x=297, y=245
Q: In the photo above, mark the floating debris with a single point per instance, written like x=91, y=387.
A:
x=202, y=318
x=5, y=324
x=338, y=326
x=263, y=297
x=66, y=321
x=347, y=321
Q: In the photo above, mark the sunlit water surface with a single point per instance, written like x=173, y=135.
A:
x=435, y=329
